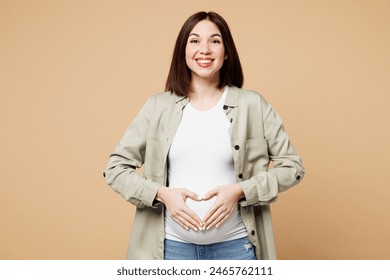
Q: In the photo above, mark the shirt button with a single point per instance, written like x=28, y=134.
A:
x=253, y=232
x=225, y=107
x=298, y=177
x=237, y=147
x=240, y=176
x=104, y=174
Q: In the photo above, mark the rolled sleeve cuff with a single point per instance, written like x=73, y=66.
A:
x=149, y=193
x=257, y=193
x=250, y=192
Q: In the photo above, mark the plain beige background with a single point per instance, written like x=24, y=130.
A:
x=73, y=74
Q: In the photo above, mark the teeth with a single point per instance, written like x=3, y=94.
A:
x=204, y=61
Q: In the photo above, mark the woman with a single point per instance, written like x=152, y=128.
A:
x=206, y=145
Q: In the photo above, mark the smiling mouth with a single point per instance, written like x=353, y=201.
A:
x=204, y=62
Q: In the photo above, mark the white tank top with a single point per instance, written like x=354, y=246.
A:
x=200, y=159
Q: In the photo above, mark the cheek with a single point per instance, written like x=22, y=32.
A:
x=222, y=53
x=188, y=59
x=219, y=52
x=189, y=53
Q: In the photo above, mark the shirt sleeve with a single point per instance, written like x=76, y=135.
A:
x=287, y=171
x=129, y=154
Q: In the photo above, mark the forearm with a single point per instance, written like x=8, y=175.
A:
x=134, y=187
x=264, y=187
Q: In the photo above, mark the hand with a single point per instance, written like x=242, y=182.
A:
x=227, y=198
x=175, y=202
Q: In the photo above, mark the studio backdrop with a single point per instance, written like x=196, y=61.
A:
x=73, y=74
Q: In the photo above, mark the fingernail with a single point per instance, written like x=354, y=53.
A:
x=187, y=228
x=208, y=227
x=195, y=229
x=200, y=228
x=217, y=225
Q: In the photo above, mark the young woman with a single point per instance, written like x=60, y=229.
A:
x=206, y=145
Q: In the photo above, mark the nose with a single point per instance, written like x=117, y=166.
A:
x=205, y=48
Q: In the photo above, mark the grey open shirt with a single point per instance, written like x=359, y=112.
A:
x=257, y=138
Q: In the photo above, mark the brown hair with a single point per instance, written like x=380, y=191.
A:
x=179, y=77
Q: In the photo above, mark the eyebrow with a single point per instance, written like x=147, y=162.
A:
x=213, y=35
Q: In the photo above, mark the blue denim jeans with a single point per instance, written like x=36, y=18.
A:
x=238, y=249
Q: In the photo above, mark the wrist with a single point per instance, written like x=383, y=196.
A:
x=239, y=191
x=161, y=193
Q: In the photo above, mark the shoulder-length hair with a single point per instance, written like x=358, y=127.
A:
x=179, y=77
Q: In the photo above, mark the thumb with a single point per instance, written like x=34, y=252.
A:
x=192, y=195
x=210, y=194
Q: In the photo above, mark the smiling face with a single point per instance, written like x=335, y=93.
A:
x=205, y=53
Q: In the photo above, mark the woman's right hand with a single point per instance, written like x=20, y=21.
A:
x=175, y=202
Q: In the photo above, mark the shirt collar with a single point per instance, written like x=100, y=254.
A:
x=230, y=101
x=232, y=97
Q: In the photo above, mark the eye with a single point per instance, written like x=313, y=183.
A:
x=216, y=41
x=194, y=41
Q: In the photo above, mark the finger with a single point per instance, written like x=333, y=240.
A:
x=191, y=218
x=210, y=194
x=214, y=207
x=181, y=222
x=193, y=196
x=216, y=220
x=207, y=217
x=185, y=214
x=221, y=221
x=185, y=221
x=213, y=222
x=211, y=215
x=219, y=213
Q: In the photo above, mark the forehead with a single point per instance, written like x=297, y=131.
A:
x=205, y=27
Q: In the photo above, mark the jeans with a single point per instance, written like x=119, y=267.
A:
x=238, y=249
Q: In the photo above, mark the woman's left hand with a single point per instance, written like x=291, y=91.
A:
x=227, y=198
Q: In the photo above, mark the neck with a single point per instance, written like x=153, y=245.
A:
x=207, y=89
